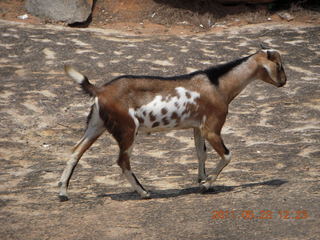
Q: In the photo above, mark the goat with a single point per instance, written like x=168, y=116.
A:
x=198, y=100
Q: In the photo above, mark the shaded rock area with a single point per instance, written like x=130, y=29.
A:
x=60, y=10
x=176, y=16
x=244, y=1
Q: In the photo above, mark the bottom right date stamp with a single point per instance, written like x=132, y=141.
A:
x=249, y=214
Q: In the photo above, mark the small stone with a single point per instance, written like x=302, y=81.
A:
x=23, y=17
x=286, y=16
x=45, y=145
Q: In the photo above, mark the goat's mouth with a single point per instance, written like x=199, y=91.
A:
x=281, y=84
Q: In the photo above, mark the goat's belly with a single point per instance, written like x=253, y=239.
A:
x=167, y=126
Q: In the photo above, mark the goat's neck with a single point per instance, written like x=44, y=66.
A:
x=237, y=79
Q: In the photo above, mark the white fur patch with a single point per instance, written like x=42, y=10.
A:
x=74, y=74
x=95, y=124
x=131, y=113
x=96, y=101
x=136, y=121
x=227, y=157
x=160, y=111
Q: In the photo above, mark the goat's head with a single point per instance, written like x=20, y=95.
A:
x=271, y=67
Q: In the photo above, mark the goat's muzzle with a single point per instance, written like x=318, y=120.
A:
x=281, y=84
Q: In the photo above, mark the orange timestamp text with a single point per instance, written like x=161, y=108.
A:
x=259, y=214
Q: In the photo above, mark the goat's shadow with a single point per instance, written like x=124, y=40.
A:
x=170, y=193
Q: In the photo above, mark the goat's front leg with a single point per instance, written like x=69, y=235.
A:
x=200, y=145
x=217, y=143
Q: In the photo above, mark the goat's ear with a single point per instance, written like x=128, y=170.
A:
x=263, y=47
x=271, y=69
x=273, y=56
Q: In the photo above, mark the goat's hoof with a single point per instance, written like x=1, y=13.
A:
x=204, y=186
x=63, y=198
x=145, y=195
x=203, y=189
x=202, y=180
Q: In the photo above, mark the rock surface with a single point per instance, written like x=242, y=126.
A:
x=60, y=10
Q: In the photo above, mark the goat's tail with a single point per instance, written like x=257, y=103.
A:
x=82, y=80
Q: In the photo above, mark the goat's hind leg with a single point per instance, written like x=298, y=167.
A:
x=94, y=129
x=124, y=163
x=125, y=139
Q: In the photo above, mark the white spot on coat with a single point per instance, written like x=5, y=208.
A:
x=172, y=104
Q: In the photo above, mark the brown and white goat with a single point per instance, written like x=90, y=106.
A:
x=199, y=100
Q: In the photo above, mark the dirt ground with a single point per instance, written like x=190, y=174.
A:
x=270, y=189
x=174, y=17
